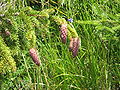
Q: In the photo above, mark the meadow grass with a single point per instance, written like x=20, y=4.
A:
x=97, y=65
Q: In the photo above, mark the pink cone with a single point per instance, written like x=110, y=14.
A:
x=74, y=45
x=33, y=54
x=7, y=33
x=63, y=35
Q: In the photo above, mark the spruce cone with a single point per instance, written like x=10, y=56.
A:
x=63, y=30
x=33, y=54
x=74, y=46
x=7, y=33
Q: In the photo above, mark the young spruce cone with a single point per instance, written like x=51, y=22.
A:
x=7, y=33
x=63, y=30
x=74, y=46
x=33, y=54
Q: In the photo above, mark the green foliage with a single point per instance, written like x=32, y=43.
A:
x=26, y=24
x=7, y=63
x=71, y=30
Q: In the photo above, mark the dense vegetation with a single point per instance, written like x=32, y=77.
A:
x=45, y=27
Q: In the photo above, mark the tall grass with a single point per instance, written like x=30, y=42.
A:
x=97, y=65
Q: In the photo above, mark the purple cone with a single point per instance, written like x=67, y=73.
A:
x=34, y=56
x=63, y=34
x=74, y=46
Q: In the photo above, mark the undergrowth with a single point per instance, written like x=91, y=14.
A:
x=26, y=24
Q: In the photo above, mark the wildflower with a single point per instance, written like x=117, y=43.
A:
x=74, y=45
x=70, y=20
x=33, y=54
x=63, y=30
